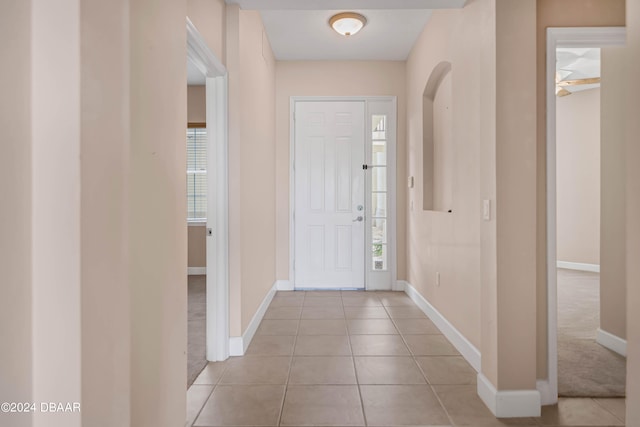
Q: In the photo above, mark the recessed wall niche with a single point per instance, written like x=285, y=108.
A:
x=437, y=134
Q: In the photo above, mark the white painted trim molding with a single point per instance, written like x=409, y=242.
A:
x=509, y=403
x=459, y=341
x=612, y=342
x=238, y=345
x=400, y=285
x=546, y=394
x=284, y=285
x=594, y=268
x=196, y=271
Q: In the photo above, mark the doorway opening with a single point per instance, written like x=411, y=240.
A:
x=208, y=202
x=573, y=183
x=343, y=167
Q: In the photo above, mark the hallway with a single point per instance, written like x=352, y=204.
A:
x=351, y=358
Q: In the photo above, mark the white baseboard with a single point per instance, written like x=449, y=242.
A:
x=284, y=285
x=459, y=341
x=612, y=342
x=400, y=285
x=235, y=346
x=238, y=345
x=594, y=268
x=380, y=287
x=509, y=403
x=196, y=271
x=547, y=396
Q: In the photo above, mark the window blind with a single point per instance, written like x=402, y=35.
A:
x=196, y=174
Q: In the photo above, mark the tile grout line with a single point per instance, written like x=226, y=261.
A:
x=413, y=357
x=215, y=386
x=291, y=359
x=202, y=407
x=355, y=371
x=607, y=409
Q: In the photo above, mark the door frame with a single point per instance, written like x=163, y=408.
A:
x=391, y=180
x=561, y=37
x=217, y=242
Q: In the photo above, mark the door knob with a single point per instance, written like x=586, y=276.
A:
x=358, y=219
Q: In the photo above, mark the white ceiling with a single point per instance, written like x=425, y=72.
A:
x=347, y=4
x=299, y=29
x=306, y=34
x=578, y=63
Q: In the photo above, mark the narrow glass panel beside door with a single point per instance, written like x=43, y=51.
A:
x=379, y=193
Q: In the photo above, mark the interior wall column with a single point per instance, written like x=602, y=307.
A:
x=507, y=383
x=158, y=226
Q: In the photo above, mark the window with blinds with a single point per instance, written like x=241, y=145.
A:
x=196, y=173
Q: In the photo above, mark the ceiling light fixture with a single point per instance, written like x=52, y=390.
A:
x=347, y=23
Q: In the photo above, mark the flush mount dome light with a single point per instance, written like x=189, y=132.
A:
x=347, y=23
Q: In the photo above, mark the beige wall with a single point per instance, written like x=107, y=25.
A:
x=196, y=104
x=93, y=296
x=515, y=210
x=443, y=159
x=15, y=219
x=331, y=78
x=197, y=113
x=488, y=261
x=105, y=144
x=578, y=177
x=553, y=13
x=197, y=249
x=632, y=53
x=158, y=230
x=55, y=150
x=440, y=241
x=613, y=287
x=209, y=17
x=252, y=166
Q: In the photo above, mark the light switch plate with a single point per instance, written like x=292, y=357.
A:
x=486, y=210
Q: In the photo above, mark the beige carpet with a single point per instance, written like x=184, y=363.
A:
x=585, y=368
x=196, y=348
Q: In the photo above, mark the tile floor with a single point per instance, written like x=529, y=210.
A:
x=358, y=359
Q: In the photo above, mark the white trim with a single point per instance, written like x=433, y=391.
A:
x=284, y=285
x=392, y=218
x=372, y=286
x=235, y=346
x=503, y=404
x=217, y=193
x=382, y=280
x=594, y=268
x=400, y=285
x=238, y=345
x=196, y=271
x=561, y=37
x=459, y=341
x=201, y=55
x=191, y=223
x=612, y=342
x=509, y=403
x=546, y=394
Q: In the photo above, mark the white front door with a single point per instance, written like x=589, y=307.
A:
x=329, y=210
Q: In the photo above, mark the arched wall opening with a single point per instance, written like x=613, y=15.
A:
x=437, y=131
